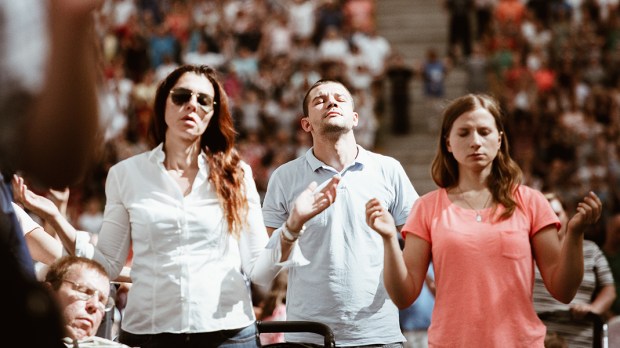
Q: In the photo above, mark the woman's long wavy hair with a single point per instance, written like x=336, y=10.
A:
x=218, y=142
x=505, y=173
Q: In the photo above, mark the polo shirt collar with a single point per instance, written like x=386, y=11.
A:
x=360, y=160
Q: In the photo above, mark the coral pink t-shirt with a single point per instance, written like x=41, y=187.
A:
x=484, y=271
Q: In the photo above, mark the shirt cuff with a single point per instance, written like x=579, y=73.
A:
x=295, y=258
x=83, y=246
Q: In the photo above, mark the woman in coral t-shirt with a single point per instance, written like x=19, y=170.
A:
x=483, y=231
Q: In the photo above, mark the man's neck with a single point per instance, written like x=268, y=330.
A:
x=337, y=154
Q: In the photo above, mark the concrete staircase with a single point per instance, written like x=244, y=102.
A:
x=411, y=27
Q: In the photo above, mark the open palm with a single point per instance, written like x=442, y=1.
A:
x=310, y=203
x=39, y=205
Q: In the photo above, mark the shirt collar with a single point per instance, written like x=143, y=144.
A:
x=158, y=156
x=360, y=160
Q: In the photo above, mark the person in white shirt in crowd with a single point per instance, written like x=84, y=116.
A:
x=333, y=46
x=375, y=48
x=204, y=56
x=190, y=212
x=301, y=16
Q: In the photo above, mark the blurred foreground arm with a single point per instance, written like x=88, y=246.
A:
x=61, y=128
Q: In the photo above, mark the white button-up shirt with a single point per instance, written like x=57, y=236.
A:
x=188, y=272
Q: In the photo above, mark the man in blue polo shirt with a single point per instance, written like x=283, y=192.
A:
x=334, y=260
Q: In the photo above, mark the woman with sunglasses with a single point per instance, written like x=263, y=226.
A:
x=190, y=211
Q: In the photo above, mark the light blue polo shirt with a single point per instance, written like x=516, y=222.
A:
x=342, y=284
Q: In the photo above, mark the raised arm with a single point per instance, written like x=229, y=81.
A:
x=43, y=247
x=561, y=263
x=46, y=210
x=404, y=271
x=308, y=204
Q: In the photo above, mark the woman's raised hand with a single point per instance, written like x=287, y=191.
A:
x=588, y=212
x=379, y=219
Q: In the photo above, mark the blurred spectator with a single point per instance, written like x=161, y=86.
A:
x=358, y=71
x=278, y=36
x=400, y=74
x=273, y=307
x=162, y=45
x=91, y=219
x=203, y=56
x=178, y=20
x=333, y=46
x=509, y=13
x=554, y=340
x=611, y=248
x=484, y=13
x=366, y=130
x=167, y=65
x=434, y=71
x=359, y=15
x=301, y=17
x=459, y=28
x=594, y=295
x=304, y=76
x=477, y=67
x=245, y=64
x=375, y=48
x=328, y=14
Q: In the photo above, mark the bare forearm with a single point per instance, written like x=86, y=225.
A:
x=65, y=231
x=286, y=250
x=569, y=271
x=604, y=299
x=285, y=247
x=395, y=275
x=43, y=247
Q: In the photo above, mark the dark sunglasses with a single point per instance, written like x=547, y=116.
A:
x=180, y=96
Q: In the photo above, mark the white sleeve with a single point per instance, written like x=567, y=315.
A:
x=114, y=238
x=258, y=262
x=27, y=223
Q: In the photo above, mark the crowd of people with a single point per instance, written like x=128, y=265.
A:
x=552, y=65
x=201, y=114
x=560, y=97
x=266, y=53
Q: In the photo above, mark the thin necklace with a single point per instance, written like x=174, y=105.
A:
x=478, y=215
